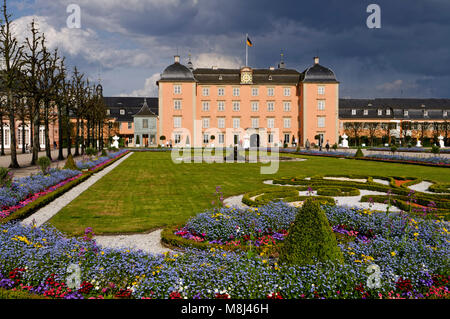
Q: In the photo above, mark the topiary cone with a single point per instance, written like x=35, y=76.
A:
x=310, y=238
x=70, y=163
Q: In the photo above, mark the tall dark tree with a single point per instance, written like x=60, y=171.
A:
x=11, y=52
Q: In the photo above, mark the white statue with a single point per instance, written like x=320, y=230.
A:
x=344, y=141
x=441, y=141
x=116, y=141
x=246, y=141
x=419, y=144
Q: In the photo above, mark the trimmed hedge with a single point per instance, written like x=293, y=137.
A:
x=341, y=191
x=290, y=194
x=32, y=207
x=310, y=238
x=17, y=294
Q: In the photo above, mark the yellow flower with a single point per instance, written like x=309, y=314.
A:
x=224, y=255
x=358, y=261
x=416, y=234
x=102, y=252
x=393, y=253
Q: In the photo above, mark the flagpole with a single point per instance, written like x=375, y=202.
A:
x=246, y=50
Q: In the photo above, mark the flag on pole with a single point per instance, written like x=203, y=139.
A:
x=249, y=43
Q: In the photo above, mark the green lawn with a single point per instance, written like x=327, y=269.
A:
x=148, y=190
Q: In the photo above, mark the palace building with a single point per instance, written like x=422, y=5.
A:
x=265, y=107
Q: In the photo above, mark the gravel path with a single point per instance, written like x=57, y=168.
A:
x=423, y=187
x=149, y=243
x=47, y=212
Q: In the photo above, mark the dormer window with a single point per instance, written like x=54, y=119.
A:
x=108, y=112
x=122, y=111
x=366, y=112
x=405, y=113
x=353, y=111
x=444, y=113
x=388, y=112
x=380, y=112
x=425, y=113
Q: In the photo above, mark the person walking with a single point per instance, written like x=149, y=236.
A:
x=327, y=146
x=307, y=144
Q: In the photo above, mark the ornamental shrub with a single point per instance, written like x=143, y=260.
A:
x=6, y=177
x=435, y=149
x=70, y=163
x=310, y=238
x=359, y=153
x=91, y=151
x=44, y=163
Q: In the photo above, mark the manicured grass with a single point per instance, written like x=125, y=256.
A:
x=149, y=191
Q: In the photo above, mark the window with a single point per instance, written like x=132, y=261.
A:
x=286, y=138
x=205, y=122
x=287, y=106
x=366, y=112
x=221, y=106
x=270, y=138
x=321, y=121
x=321, y=105
x=177, y=104
x=255, y=122
x=405, y=113
x=108, y=112
x=270, y=122
x=177, y=89
x=353, y=112
x=221, y=91
x=205, y=91
x=255, y=91
x=130, y=125
x=444, y=113
x=236, y=91
x=236, y=106
x=122, y=111
x=287, y=122
x=221, y=138
x=287, y=91
x=236, y=122
x=221, y=122
x=205, y=138
x=177, y=121
x=144, y=123
x=270, y=91
x=270, y=106
x=425, y=113
x=388, y=112
x=205, y=106
x=177, y=138
x=380, y=112
x=321, y=90
x=255, y=106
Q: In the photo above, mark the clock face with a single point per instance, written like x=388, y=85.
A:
x=246, y=78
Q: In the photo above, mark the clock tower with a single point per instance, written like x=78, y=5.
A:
x=246, y=75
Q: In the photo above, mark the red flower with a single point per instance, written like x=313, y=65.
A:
x=275, y=295
x=175, y=295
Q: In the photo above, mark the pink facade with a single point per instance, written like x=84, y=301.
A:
x=247, y=107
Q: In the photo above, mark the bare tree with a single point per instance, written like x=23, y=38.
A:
x=11, y=53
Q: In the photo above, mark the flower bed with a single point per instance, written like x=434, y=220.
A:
x=431, y=161
x=412, y=255
x=94, y=164
x=26, y=190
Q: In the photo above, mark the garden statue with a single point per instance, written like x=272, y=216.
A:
x=116, y=141
x=344, y=141
x=441, y=141
x=419, y=144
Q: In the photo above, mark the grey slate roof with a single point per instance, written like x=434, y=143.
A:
x=177, y=72
x=131, y=105
x=319, y=73
x=418, y=109
x=260, y=76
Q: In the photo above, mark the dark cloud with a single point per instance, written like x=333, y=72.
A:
x=411, y=49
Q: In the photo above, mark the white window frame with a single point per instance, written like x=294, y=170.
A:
x=236, y=91
x=271, y=106
x=321, y=90
x=353, y=111
x=221, y=138
x=205, y=91
x=287, y=91
x=270, y=122
x=122, y=111
x=255, y=91
x=221, y=122
x=236, y=122
x=176, y=89
x=177, y=105
x=380, y=112
x=206, y=121
x=236, y=106
x=321, y=105
x=221, y=91
x=221, y=106
x=287, y=106
x=255, y=106
x=177, y=121
x=205, y=106
x=321, y=121
x=270, y=91
x=255, y=122
x=287, y=122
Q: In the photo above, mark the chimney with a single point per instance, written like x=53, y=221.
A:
x=177, y=58
x=316, y=60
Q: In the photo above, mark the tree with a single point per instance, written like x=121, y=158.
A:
x=11, y=53
x=372, y=128
x=353, y=129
